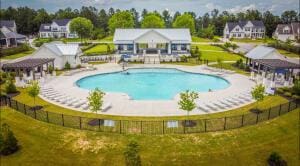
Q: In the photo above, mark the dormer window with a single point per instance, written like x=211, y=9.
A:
x=286, y=31
x=237, y=29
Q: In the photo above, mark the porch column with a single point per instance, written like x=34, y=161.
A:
x=6, y=42
x=169, y=48
x=134, y=48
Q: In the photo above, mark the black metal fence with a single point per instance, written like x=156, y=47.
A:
x=152, y=127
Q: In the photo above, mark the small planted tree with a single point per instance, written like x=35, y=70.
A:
x=276, y=160
x=258, y=94
x=67, y=66
x=95, y=100
x=8, y=142
x=234, y=46
x=131, y=154
x=220, y=62
x=33, y=90
x=187, y=101
x=10, y=87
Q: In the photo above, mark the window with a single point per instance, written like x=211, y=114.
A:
x=174, y=47
x=130, y=47
x=183, y=47
x=234, y=35
x=237, y=29
x=239, y=35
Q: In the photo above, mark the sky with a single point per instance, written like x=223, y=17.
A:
x=198, y=6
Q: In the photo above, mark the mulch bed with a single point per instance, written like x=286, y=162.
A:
x=96, y=122
x=189, y=123
x=36, y=108
x=11, y=95
x=256, y=111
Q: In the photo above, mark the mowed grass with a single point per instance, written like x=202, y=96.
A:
x=18, y=55
x=288, y=54
x=47, y=144
x=268, y=102
x=230, y=66
x=203, y=47
x=199, y=39
x=99, y=49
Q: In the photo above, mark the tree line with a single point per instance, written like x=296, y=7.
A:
x=105, y=22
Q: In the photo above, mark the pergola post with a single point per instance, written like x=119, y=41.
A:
x=33, y=75
x=41, y=70
x=273, y=75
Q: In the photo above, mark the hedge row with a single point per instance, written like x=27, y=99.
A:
x=14, y=50
x=284, y=46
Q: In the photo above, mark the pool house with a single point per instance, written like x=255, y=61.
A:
x=152, y=41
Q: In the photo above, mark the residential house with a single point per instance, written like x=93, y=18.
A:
x=284, y=32
x=244, y=29
x=8, y=34
x=57, y=29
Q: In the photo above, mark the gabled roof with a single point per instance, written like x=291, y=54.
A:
x=263, y=52
x=42, y=28
x=7, y=23
x=296, y=27
x=280, y=28
x=61, y=49
x=62, y=22
x=7, y=33
x=129, y=35
x=256, y=24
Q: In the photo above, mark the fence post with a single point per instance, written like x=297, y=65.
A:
x=17, y=108
x=99, y=124
x=5, y=101
x=163, y=126
x=243, y=120
x=34, y=114
x=257, y=118
x=47, y=116
x=120, y=130
x=24, y=109
x=289, y=106
x=225, y=123
x=9, y=101
x=269, y=113
x=62, y=118
x=184, y=126
x=80, y=122
x=141, y=127
x=204, y=125
x=279, y=110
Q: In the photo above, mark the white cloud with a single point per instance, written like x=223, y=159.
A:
x=212, y=6
x=239, y=8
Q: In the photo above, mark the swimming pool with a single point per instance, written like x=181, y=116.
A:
x=152, y=83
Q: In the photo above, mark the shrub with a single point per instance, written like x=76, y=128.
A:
x=78, y=66
x=131, y=153
x=296, y=97
x=276, y=160
x=8, y=142
x=287, y=94
x=296, y=88
x=95, y=100
x=216, y=40
x=10, y=87
x=14, y=50
x=67, y=66
x=279, y=91
x=183, y=58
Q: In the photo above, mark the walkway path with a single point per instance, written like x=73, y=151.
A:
x=123, y=105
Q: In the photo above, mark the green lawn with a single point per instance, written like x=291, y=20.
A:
x=207, y=47
x=248, y=40
x=107, y=39
x=288, y=54
x=199, y=39
x=99, y=49
x=96, y=63
x=230, y=66
x=18, y=55
x=47, y=144
x=225, y=56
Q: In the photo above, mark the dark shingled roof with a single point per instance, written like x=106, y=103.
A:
x=27, y=63
x=277, y=63
x=42, y=28
x=7, y=23
x=296, y=28
x=280, y=28
x=62, y=22
x=256, y=23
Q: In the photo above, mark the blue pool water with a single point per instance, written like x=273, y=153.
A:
x=152, y=84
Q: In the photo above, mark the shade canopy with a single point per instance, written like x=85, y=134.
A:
x=27, y=63
x=277, y=63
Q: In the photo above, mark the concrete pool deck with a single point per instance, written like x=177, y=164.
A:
x=122, y=104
